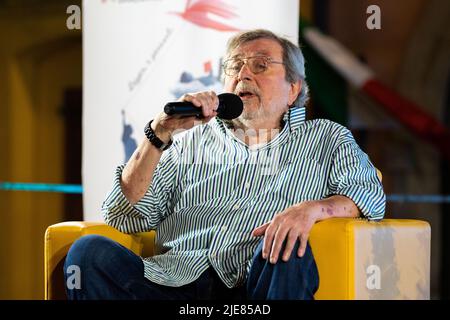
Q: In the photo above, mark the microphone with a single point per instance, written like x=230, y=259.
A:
x=230, y=107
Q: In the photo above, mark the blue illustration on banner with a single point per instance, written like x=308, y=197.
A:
x=187, y=84
x=207, y=82
x=128, y=142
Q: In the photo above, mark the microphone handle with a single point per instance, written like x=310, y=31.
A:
x=184, y=109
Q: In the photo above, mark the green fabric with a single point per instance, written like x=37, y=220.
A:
x=328, y=90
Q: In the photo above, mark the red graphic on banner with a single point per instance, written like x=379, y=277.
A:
x=200, y=13
x=207, y=67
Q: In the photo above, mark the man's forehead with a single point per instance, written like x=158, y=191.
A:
x=263, y=47
x=253, y=53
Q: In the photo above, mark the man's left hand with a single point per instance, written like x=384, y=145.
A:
x=295, y=223
x=291, y=225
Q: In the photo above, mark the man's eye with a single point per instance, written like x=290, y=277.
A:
x=259, y=65
x=236, y=66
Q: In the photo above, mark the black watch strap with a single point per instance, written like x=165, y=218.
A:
x=153, y=138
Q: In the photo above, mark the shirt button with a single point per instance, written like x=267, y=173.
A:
x=247, y=185
x=236, y=207
x=224, y=228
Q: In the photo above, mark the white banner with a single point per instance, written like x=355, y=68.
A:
x=140, y=54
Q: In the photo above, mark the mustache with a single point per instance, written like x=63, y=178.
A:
x=245, y=87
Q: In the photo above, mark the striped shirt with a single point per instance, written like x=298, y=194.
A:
x=210, y=190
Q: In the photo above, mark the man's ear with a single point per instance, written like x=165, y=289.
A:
x=296, y=87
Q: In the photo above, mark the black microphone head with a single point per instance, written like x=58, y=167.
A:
x=230, y=106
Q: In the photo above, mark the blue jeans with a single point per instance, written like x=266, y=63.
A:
x=110, y=271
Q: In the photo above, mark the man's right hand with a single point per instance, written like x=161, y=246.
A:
x=138, y=172
x=165, y=126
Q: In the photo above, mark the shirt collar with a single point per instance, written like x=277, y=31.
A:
x=294, y=118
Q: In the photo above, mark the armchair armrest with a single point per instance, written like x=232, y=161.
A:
x=360, y=259
x=59, y=237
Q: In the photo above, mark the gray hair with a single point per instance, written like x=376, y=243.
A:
x=293, y=59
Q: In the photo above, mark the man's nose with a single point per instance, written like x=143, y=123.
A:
x=244, y=73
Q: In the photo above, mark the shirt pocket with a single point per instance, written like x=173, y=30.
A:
x=205, y=185
x=299, y=180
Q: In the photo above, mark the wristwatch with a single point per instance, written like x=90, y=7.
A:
x=153, y=138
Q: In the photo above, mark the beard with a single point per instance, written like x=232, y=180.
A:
x=252, y=107
x=251, y=114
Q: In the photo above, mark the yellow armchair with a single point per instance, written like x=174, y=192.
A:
x=356, y=259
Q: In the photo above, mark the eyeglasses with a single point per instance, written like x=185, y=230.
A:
x=256, y=64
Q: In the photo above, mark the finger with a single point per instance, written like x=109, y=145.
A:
x=195, y=99
x=205, y=100
x=268, y=239
x=202, y=103
x=215, y=101
x=278, y=241
x=303, y=243
x=290, y=244
x=206, y=103
x=259, y=231
x=188, y=97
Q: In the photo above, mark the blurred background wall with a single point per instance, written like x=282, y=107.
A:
x=40, y=118
x=40, y=99
x=411, y=54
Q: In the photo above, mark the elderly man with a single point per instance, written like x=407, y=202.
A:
x=233, y=202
